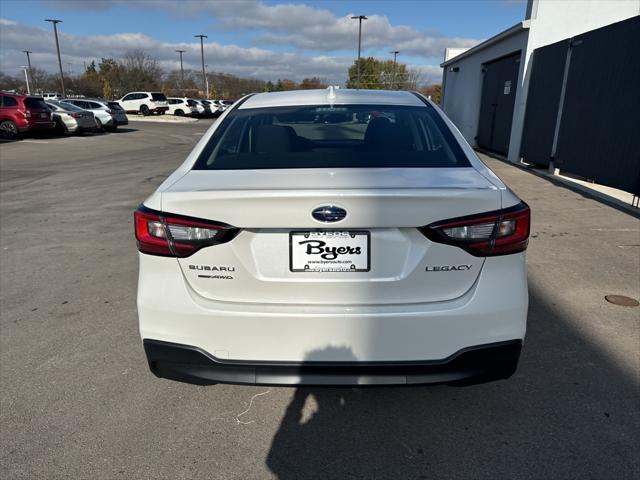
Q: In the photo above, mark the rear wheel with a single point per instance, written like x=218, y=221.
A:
x=113, y=128
x=179, y=113
x=144, y=110
x=60, y=128
x=8, y=129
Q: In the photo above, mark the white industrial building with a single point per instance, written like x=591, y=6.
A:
x=485, y=87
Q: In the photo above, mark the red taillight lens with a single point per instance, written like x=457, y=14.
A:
x=75, y=115
x=108, y=111
x=487, y=234
x=171, y=235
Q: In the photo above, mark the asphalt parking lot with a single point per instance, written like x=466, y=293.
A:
x=77, y=400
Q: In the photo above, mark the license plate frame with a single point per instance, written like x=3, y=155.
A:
x=329, y=265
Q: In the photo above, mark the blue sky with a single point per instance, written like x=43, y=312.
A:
x=265, y=39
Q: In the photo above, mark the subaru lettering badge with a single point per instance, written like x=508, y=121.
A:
x=329, y=213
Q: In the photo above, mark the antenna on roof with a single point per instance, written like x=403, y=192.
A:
x=331, y=95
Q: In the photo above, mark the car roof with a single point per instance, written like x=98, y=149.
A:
x=332, y=95
x=90, y=99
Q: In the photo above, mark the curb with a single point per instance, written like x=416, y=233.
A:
x=161, y=119
x=575, y=187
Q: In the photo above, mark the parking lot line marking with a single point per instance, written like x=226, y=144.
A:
x=35, y=141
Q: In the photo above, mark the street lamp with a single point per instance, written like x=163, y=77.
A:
x=359, y=18
x=181, y=70
x=30, y=71
x=26, y=77
x=395, y=55
x=206, y=81
x=55, y=32
x=204, y=75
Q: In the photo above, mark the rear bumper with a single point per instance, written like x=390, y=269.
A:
x=471, y=365
x=40, y=126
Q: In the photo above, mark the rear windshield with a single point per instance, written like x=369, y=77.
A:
x=332, y=137
x=114, y=106
x=34, y=102
x=159, y=97
x=191, y=103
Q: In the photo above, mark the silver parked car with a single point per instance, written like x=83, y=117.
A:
x=71, y=119
x=109, y=115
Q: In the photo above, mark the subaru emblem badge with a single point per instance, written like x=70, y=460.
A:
x=329, y=213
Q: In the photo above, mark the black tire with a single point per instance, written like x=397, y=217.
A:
x=144, y=110
x=113, y=128
x=8, y=130
x=60, y=129
x=179, y=113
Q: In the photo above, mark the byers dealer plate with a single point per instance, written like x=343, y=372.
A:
x=329, y=251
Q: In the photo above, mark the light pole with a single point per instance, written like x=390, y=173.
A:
x=359, y=18
x=26, y=77
x=395, y=55
x=206, y=81
x=204, y=74
x=181, y=71
x=55, y=32
x=30, y=71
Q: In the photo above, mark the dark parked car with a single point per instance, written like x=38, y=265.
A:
x=21, y=113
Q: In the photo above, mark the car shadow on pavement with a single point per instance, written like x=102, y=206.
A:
x=569, y=412
x=125, y=130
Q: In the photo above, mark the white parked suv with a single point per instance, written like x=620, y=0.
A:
x=333, y=237
x=181, y=106
x=145, y=103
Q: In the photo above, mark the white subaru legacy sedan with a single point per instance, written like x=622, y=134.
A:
x=332, y=237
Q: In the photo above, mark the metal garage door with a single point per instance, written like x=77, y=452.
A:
x=599, y=132
x=496, y=108
x=543, y=100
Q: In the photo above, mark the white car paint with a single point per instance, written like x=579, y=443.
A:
x=144, y=102
x=399, y=311
x=180, y=106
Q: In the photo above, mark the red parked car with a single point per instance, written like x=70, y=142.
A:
x=19, y=113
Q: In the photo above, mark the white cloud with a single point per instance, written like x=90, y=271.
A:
x=319, y=42
x=251, y=62
x=301, y=26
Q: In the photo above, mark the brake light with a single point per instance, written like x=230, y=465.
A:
x=27, y=114
x=170, y=235
x=500, y=232
x=108, y=111
x=75, y=115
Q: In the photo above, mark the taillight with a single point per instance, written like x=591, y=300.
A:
x=108, y=111
x=75, y=115
x=487, y=234
x=27, y=114
x=170, y=235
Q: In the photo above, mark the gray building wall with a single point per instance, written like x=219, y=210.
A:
x=547, y=22
x=463, y=88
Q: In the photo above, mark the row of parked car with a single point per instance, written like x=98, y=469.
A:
x=20, y=113
x=148, y=103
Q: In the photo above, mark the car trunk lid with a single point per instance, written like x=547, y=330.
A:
x=384, y=208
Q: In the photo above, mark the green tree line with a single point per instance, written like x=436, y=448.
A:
x=137, y=70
